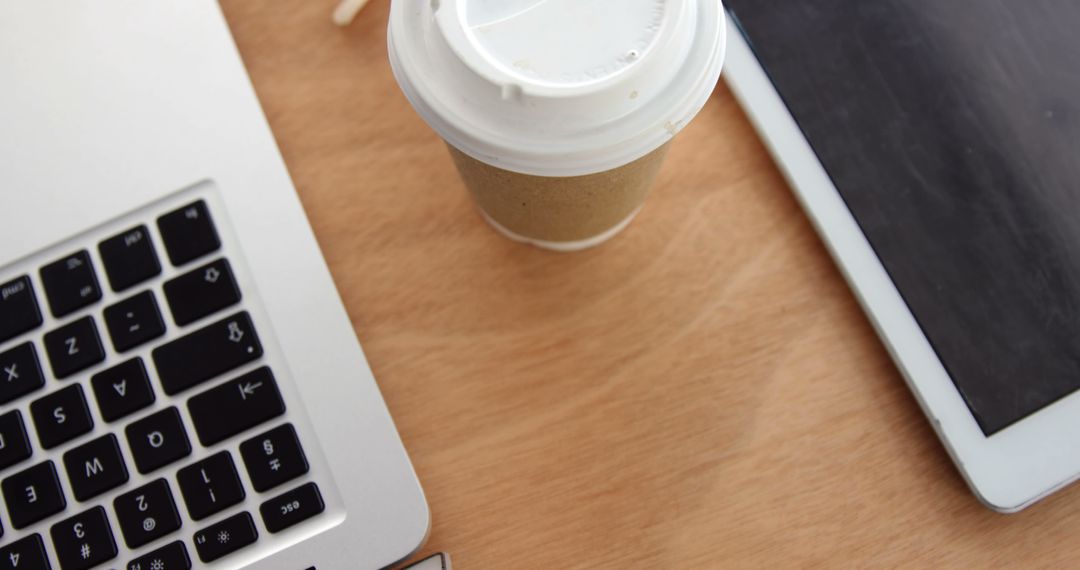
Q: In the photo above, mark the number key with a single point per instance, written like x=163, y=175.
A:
x=147, y=513
x=74, y=347
x=33, y=494
x=24, y=554
x=210, y=485
x=61, y=416
x=84, y=540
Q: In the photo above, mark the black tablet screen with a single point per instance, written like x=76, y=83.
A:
x=952, y=131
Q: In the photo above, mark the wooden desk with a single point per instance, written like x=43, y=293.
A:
x=702, y=391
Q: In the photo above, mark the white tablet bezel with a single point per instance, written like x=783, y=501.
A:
x=1008, y=470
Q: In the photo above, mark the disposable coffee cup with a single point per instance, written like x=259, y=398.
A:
x=557, y=113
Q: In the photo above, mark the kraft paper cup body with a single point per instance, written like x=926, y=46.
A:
x=560, y=213
x=557, y=113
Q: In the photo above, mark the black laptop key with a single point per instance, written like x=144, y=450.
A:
x=188, y=233
x=225, y=537
x=95, y=467
x=74, y=347
x=158, y=440
x=172, y=556
x=70, y=283
x=147, y=513
x=235, y=406
x=210, y=486
x=27, y=553
x=14, y=443
x=122, y=389
x=84, y=540
x=274, y=457
x=19, y=310
x=208, y=352
x=61, y=416
x=134, y=321
x=129, y=258
x=33, y=494
x=20, y=372
x=202, y=291
x=292, y=507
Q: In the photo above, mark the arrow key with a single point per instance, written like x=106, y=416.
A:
x=235, y=406
x=122, y=389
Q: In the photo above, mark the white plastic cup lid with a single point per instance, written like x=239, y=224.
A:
x=557, y=87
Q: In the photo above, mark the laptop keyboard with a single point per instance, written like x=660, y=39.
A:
x=144, y=409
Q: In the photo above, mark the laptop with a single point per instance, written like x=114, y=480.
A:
x=180, y=385
x=934, y=146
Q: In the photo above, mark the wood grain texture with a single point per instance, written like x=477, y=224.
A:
x=703, y=391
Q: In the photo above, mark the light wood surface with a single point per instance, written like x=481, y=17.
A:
x=703, y=391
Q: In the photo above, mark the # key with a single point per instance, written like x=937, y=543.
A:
x=84, y=540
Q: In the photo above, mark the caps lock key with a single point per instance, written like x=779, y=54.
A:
x=212, y=350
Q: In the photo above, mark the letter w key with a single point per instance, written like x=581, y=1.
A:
x=95, y=467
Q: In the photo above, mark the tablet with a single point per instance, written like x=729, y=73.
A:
x=936, y=147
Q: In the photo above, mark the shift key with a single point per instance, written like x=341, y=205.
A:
x=208, y=352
